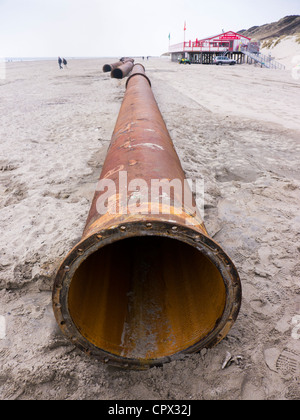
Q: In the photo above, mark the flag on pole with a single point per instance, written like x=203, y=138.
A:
x=184, y=26
x=169, y=37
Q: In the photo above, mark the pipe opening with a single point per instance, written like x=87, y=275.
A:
x=146, y=297
x=107, y=68
x=117, y=73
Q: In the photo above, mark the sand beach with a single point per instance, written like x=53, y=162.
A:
x=236, y=127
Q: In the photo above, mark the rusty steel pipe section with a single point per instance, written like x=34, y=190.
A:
x=111, y=67
x=123, y=70
x=146, y=284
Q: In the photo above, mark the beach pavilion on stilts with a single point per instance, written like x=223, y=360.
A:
x=204, y=51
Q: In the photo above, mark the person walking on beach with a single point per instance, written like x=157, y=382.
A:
x=65, y=62
x=60, y=63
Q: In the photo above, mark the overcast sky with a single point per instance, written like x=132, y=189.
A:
x=112, y=28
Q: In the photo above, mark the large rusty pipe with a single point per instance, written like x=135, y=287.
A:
x=123, y=70
x=111, y=67
x=146, y=284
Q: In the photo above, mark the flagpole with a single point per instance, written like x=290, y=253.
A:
x=184, y=29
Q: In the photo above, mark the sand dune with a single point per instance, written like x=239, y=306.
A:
x=286, y=52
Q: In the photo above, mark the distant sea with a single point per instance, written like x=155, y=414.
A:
x=19, y=59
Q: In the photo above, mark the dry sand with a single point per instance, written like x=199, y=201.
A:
x=238, y=128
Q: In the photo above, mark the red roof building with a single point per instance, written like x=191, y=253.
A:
x=225, y=43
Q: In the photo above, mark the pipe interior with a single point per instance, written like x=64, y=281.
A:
x=117, y=73
x=106, y=68
x=146, y=297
